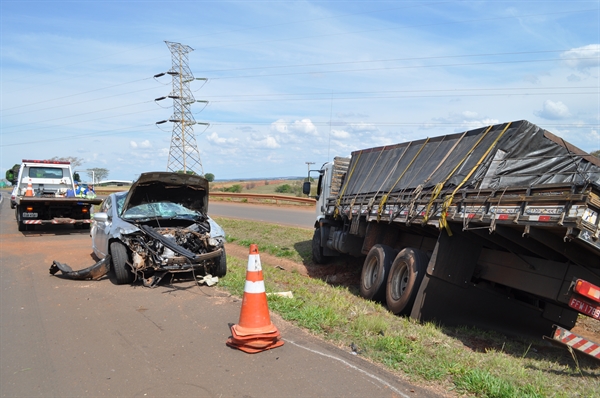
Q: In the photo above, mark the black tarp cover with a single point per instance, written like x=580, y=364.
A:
x=515, y=154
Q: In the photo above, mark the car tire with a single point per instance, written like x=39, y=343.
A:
x=375, y=271
x=220, y=268
x=119, y=257
x=317, y=250
x=404, y=280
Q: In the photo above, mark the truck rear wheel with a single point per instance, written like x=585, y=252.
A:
x=405, y=279
x=317, y=250
x=119, y=256
x=375, y=271
x=21, y=225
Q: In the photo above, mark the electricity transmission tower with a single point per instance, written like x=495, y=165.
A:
x=183, y=153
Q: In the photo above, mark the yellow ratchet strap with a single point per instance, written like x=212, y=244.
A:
x=449, y=198
x=336, y=212
x=438, y=187
x=384, y=198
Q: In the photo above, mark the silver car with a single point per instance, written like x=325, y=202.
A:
x=159, y=226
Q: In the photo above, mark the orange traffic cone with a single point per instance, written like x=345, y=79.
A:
x=29, y=191
x=255, y=331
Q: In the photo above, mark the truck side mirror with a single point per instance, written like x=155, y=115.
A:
x=306, y=188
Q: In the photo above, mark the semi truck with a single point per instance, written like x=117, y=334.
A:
x=495, y=227
x=45, y=194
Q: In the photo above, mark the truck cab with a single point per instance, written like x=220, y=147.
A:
x=47, y=178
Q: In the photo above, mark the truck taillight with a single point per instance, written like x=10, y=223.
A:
x=587, y=290
x=84, y=210
x=29, y=208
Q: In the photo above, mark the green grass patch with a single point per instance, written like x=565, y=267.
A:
x=466, y=360
x=286, y=242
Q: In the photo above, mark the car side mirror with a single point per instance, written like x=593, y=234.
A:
x=306, y=188
x=101, y=217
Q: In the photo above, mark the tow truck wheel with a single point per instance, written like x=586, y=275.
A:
x=119, y=257
x=220, y=265
x=375, y=271
x=404, y=280
x=22, y=226
x=317, y=250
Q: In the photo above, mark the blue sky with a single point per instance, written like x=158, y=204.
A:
x=289, y=82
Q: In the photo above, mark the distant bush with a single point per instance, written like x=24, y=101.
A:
x=237, y=188
x=285, y=188
x=250, y=185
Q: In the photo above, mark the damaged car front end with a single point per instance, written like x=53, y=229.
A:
x=159, y=227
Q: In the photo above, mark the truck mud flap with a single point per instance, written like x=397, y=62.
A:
x=94, y=272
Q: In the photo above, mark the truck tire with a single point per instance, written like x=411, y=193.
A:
x=317, y=250
x=220, y=268
x=404, y=280
x=20, y=224
x=119, y=256
x=375, y=271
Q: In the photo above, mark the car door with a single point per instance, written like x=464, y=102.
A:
x=100, y=229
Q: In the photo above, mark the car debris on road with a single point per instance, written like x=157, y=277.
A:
x=94, y=272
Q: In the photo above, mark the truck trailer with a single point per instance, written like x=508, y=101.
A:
x=495, y=227
x=45, y=194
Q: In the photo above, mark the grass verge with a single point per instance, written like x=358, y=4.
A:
x=464, y=360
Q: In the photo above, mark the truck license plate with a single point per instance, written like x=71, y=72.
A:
x=30, y=215
x=585, y=308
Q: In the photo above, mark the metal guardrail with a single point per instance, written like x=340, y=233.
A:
x=256, y=196
x=233, y=196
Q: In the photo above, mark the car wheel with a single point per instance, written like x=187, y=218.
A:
x=317, y=250
x=220, y=268
x=119, y=257
x=375, y=271
x=405, y=279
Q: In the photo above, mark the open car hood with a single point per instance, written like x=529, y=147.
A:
x=187, y=190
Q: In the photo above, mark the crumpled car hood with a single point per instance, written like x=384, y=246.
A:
x=187, y=190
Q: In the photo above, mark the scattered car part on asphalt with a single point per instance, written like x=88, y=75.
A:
x=94, y=272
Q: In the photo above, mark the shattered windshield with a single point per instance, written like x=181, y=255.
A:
x=159, y=210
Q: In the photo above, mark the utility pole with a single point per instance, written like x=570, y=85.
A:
x=308, y=165
x=183, y=153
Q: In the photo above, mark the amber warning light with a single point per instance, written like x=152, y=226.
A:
x=587, y=290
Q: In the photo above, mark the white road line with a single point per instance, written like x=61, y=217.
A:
x=353, y=367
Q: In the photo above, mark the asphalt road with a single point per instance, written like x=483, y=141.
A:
x=61, y=338
x=298, y=216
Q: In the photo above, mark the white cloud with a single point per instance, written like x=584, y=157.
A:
x=466, y=120
x=553, y=110
x=133, y=144
x=340, y=134
x=145, y=144
x=215, y=139
x=303, y=127
x=362, y=127
x=270, y=142
x=582, y=58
